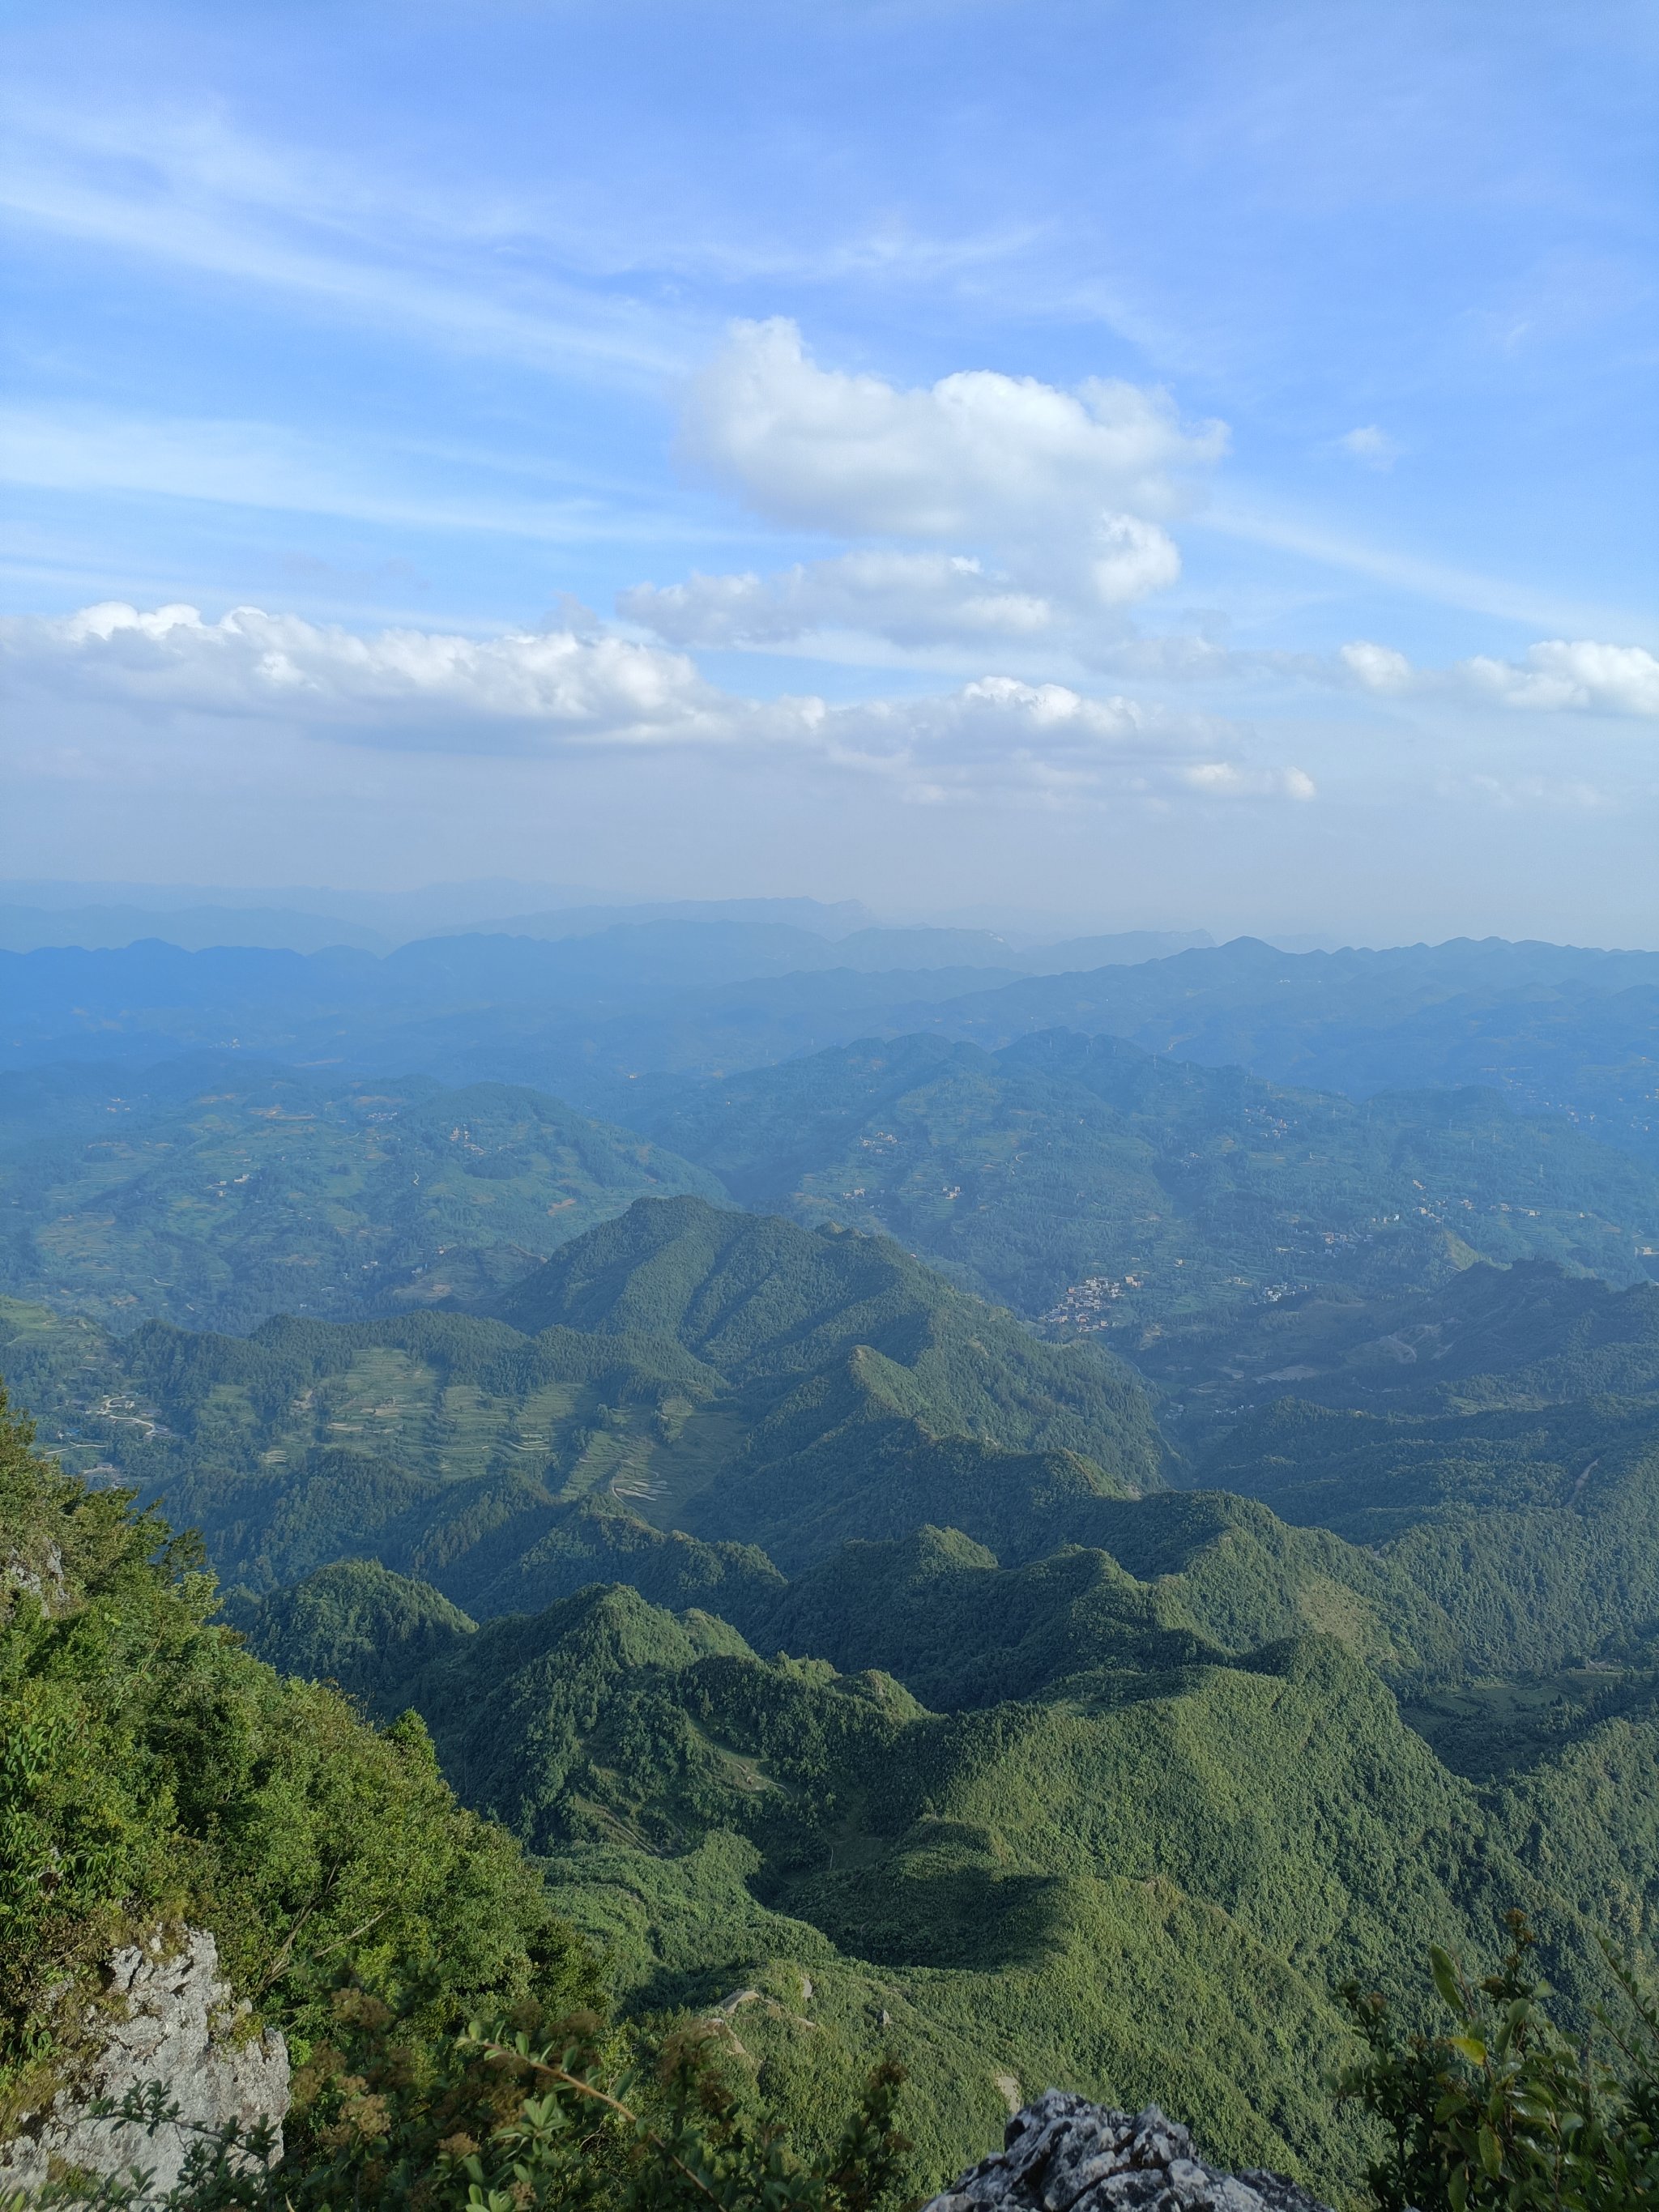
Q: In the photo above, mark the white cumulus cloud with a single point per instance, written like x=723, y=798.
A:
x=977, y=456
x=914, y=599
x=1555, y=674
x=403, y=686
x=1046, y=740
x=989, y=506
x=1608, y=679
x=1130, y=559
x=557, y=692
x=997, y=506
x=1377, y=667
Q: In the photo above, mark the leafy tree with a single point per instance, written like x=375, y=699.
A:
x=155, y=1774
x=1505, y=2111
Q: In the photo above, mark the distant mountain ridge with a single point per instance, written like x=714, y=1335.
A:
x=1559, y=1029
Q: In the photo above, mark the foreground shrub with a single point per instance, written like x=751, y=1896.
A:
x=1505, y=2111
x=496, y=2124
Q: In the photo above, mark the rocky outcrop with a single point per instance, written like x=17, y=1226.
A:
x=167, y=2016
x=1064, y=2154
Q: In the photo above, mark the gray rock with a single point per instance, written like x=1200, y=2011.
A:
x=1064, y=2154
x=174, y=2020
x=41, y=1577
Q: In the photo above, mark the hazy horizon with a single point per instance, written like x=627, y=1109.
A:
x=416, y=909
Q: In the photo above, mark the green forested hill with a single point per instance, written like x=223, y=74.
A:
x=1501, y=1435
x=1205, y=1579
x=1136, y=1862
x=1078, y=1179
x=1563, y=1029
x=453, y=1447
x=1057, y=1782
x=1087, y=1181
x=857, y=1392
x=214, y=1193
x=740, y=1396
x=355, y=1624
x=1530, y=1334
x=771, y=1305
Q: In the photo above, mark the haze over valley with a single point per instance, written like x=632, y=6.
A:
x=829, y=1110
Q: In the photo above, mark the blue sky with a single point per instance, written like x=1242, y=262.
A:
x=1177, y=464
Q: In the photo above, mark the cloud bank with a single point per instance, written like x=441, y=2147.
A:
x=404, y=687
x=544, y=694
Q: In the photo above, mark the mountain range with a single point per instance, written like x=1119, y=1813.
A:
x=1029, y=1550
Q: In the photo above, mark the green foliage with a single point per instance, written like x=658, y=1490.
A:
x=873, y=1395
x=770, y=1306
x=934, y=1610
x=1090, y=1875
x=355, y=1624
x=1491, y=1336
x=494, y=2122
x=1506, y=2111
x=1373, y=1476
x=698, y=2147
x=1134, y=1858
x=763, y=1387
x=153, y=1773
x=1585, y=1815
x=255, y=1191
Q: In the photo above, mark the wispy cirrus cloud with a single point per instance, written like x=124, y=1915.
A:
x=185, y=191
x=545, y=694
x=1339, y=548
x=262, y=465
x=1372, y=446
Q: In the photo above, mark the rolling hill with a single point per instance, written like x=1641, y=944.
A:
x=743, y=1381
x=1127, y=1860
x=1560, y=1029
x=1086, y=1182
x=216, y=1192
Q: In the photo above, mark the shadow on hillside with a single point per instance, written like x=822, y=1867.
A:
x=943, y=1902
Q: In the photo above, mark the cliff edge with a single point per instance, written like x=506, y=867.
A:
x=170, y=2018
x=1064, y=2154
